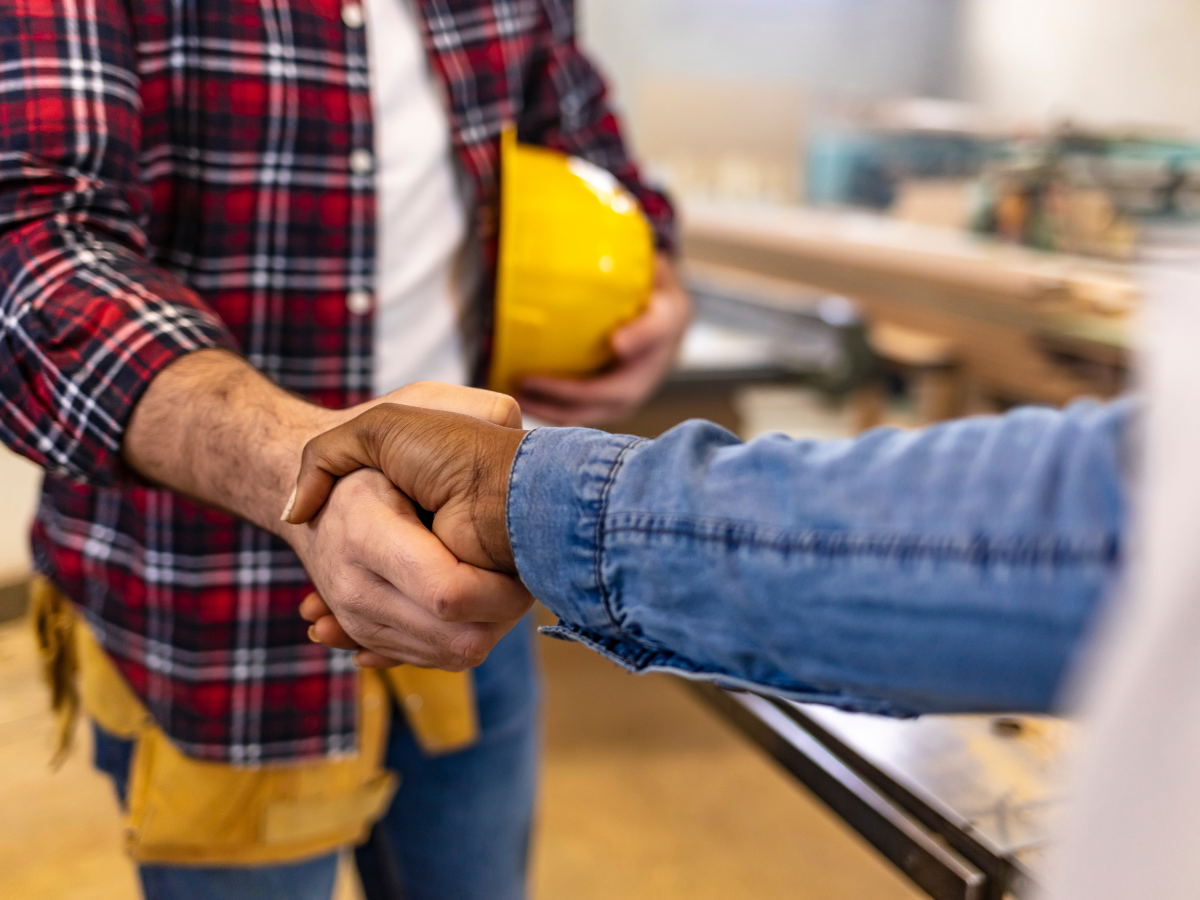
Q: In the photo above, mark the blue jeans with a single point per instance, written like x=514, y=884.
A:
x=458, y=828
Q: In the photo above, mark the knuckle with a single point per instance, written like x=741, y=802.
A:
x=365, y=631
x=373, y=422
x=310, y=455
x=359, y=486
x=381, y=425
x=505, y=410
x=446, y=601
x=359, y=601
x=470, y=648
x=352, y=611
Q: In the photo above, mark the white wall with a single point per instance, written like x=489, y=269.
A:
x=1102, y=61
x=717, y=95
x=866, y=47
x=895, y=47
x=1105, y=62
x=19, y=483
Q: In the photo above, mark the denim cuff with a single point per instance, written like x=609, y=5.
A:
x=557, y=493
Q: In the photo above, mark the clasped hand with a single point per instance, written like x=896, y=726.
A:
x=388, y=586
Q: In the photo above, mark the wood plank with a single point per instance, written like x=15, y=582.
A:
x=1013, y=317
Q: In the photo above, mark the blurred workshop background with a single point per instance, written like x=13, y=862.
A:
x=894, y=211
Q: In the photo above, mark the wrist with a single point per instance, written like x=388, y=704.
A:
x=285, y=453
x=489, y=501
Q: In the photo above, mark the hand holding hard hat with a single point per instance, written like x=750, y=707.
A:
x=579, y=291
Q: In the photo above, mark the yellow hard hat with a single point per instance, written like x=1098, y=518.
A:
x=576, y=262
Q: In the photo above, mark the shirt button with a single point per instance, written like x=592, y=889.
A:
x=359, y=302
x=352, y=15
x=361, y=161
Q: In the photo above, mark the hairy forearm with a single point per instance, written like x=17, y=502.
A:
x=214, y=428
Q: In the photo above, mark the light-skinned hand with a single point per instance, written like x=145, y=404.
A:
x=645, y=350
x=452, y=609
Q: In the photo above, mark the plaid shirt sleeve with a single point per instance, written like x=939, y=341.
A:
x=86, y=322
x=570, y=112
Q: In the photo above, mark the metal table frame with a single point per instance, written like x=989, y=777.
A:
x=940, y=855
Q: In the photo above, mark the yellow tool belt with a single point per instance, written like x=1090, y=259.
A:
x=185, y=811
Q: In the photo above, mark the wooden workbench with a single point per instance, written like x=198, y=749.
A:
x=1025, y=325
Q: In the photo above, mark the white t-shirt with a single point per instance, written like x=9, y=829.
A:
x=420, y=214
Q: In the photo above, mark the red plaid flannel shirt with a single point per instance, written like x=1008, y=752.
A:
x=175, y=176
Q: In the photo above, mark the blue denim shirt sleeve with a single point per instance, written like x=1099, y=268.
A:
x=956, y=568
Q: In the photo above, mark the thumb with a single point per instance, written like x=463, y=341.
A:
x=327, y=457
x=419, y=450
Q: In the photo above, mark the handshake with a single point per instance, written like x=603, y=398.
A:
x=388, y=586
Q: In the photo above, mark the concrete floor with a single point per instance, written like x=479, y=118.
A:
x=648, y=795
x=645, y=795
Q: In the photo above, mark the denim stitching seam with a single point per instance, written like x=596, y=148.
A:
x=605, y=599
x=844, y=544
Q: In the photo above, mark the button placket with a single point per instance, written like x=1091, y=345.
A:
x=360, y=167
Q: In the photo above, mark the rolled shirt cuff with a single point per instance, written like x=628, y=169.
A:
x=557, y=493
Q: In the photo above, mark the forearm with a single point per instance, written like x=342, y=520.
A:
x=212, y=427
x=954, y=568
x=86, y=319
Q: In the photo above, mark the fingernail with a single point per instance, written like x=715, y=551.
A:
x=287, y=510
x=355, y=658
x=312, y=634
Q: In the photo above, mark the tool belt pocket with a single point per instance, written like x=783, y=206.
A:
x=184, y=811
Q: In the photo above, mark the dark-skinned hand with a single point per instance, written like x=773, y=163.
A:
x=455, y=467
